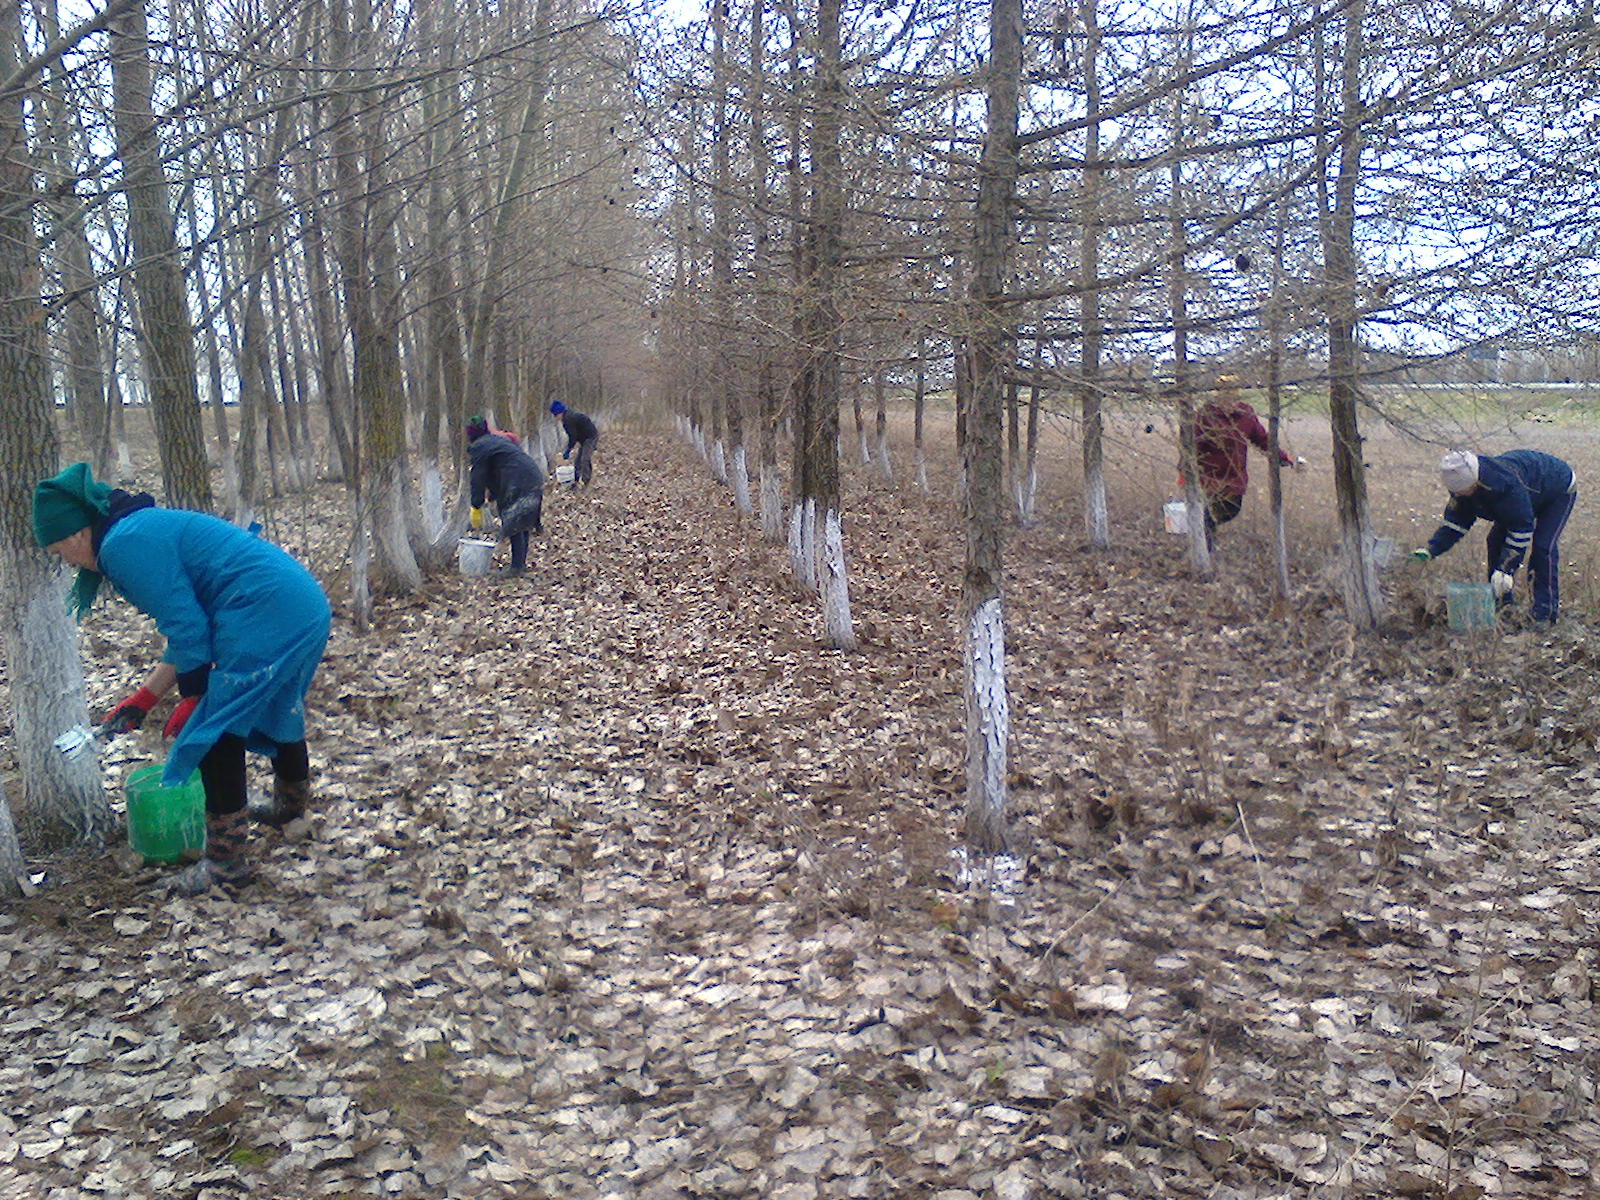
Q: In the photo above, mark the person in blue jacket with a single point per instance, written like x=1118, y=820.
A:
x=1527, y=496
x=246, y=626
x=582, y=434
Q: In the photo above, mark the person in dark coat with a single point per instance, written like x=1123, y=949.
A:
x=246, y=626
x=1224, y=430
x=504, y=472
x=1527, y=496
x=582, y=434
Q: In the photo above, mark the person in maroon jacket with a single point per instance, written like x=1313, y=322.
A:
x=1224, y=430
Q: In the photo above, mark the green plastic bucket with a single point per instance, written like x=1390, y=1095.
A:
x=1469, y=607
x=165, y=823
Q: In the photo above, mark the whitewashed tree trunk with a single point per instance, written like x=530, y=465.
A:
x=741, y=483
x=1028, y=492
x=880, y=425
x=719, y=462
x=61, y=798
x=1178, y=304
x=10, y=852
x=990, y=355
x=1096, y=517
x=433, y=512
x=988, y=719
x=771, y=504
x=391, y=529
x=839, y=630
x=1363, y=595
x=803, y=546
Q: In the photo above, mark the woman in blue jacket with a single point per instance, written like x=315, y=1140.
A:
x=1527, y=496
x=245, y=625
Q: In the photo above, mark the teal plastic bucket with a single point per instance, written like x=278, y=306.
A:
x=165, y=823
x=1469, y=606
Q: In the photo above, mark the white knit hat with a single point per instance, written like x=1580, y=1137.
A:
x=1459, y=471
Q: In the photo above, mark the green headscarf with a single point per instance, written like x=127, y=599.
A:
x=62, y=505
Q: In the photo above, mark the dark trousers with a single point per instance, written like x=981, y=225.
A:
x=583, y=465
x=1544, y=556
x=1219, y=511
x=222, y=771
x=519, y=518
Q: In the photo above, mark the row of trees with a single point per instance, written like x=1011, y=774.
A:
x=380, y=214
x=272, y=219
x=1309, y=194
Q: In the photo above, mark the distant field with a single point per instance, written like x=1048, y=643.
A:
x=1405, y=433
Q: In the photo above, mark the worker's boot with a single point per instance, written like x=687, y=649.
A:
x=287, y=803
x=224, y=863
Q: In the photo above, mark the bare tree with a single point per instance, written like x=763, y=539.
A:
x=1096, y=519
x=1362, y=593
x=166, y=334
x=763, y=269
x=816, y=525
x=61, y=797
x=880, y=424
x=728, y=399
x=990, y=354
x=366, y=265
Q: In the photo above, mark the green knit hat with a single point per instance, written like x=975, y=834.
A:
x=64, y=504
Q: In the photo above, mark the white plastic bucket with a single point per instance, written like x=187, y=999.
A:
x=473, y=555
x=1176, y=515
x=565, y=473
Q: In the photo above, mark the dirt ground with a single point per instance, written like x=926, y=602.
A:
x=619, y=886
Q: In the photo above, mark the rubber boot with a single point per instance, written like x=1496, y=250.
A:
x=224, y=863
x=287, y=803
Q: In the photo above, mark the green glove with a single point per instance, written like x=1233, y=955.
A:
x=1420, y=556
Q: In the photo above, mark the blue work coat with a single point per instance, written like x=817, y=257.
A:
x=1514, y=488
x=223, y=596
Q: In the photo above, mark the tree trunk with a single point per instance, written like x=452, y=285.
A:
x=1274, y=311
x=82, y=377
x=1012, y=472
x=61, y=798
x=1028, y=486
x=1363, y=597
x=919, y=404
x=819, y=492
x=1178, y=303
x=1096, y=517
x=990, y=340
x=364, y=264
x=166, y=332
x=881, y=425
x=727, y=387
x=863, y=449
x=767, y=406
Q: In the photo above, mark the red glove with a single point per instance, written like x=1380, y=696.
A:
x=130, y=714
x=180, y=715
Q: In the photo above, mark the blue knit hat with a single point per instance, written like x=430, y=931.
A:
x=557, y=408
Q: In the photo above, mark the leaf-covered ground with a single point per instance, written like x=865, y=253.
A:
x=619, y=886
